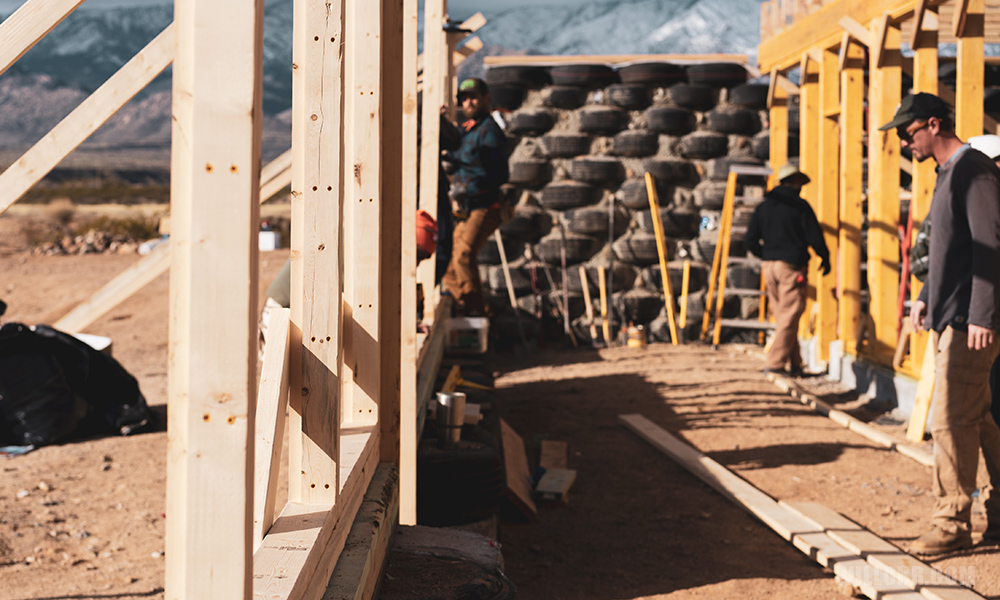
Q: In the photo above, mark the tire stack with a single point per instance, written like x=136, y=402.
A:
x=587, y=134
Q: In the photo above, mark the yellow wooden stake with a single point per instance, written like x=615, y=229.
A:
x=605, y=325
x=925, y=390
x=661, y=250
x=685, y=283
x=725, y=232
x=589, y=305
x=717, y=261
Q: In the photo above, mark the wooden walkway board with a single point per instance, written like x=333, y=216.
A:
x=554, y=485
x=553, y=455
x=820, y=548
x=823, y=517
x=518, y=485
x=873, y=582
x=912, y=571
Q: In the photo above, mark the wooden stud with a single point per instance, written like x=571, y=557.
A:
x=661, y=250
x=778, y=119
x=828, y=200
x=810, y=152
x=316, y=269
x=883, y=196
x=29, y=24
x=272, y=406
x=960, y=16
x=215, y=179
x=588, y=303
x=918, y=23
x=603, y=287
x=494, y=61
x=86, y=118
x=408, y=436
x=852, y=97
x=878, y=47
x=722, y=251
x=970, y=77
x=718, y=262
x=857, y=30
x=845, y=41
x=685, y=284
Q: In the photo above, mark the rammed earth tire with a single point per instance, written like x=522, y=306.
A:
x=630, y=96
x=535, y=122
x=562, y=96
x=717, y=74
x=718, y=169
x=603, y=120
x=490, y=255
x=460, y=485
x=622, y=277
x=750, y=95
x=506, y=97
x=676, y=223
x=694, y=96
x=762, y=145
x=583, y=75
x=566, y=145
x=639, y=249
x=596, y=169
x=565, y=194
x=704, y=144
x=520, y=280
x=670, y=121
x=594, y=221
x=530, y=173
x=634, y=195
x=656, y=74
x=578, y=248
x=635, y=143
x=528, y=224
x=710, y=194
x=517, y=75
x=670, y=170
x=638, y=306
x=738, y=121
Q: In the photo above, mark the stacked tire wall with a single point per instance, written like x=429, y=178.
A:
x=581, y=138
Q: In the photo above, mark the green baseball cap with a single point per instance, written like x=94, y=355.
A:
x=472, y=85
x=918, y=106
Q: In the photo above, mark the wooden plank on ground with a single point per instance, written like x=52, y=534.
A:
x=553, y=454
x=554, y=485
x=861, y=542
x=518, y=478
x=824, y=518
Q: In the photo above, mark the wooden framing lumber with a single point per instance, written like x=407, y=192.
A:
x=269, y=423
x=429, y=362
x=517, y=486
x=722, y=252
x=408, y=436
x=661, y=251
x=605, y=317
x=778, y=119
x=883, y=197
x=810, y=152
x=316, y=263
x=879, y=39
x=969, y=79
x=828, y=201
x=86, y=118
x=496, y=61
x=215, y=183
x=29, y=24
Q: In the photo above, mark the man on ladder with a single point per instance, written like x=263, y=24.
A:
x=781, y=231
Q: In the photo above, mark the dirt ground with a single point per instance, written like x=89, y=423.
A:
x=86, y=519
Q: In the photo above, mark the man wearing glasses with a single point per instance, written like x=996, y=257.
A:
x=960, y=305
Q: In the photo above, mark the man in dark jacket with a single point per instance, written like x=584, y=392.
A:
x=781, y=231
x=960, y=304
x=480, y=169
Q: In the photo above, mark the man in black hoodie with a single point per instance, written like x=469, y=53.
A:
x=781, y=231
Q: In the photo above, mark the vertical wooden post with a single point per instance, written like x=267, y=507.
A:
x=317, y=190
x=852, y=116
x=408, y=293
x=809, y=163
x=925, y=69
x=434, y=89
x=969, y=78
x=215, y=167
x=362, y=239
x=778, y=123
x=827, y=208
x=883, y=193
x=393, y=219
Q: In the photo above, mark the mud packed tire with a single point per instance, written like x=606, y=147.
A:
x=710, y=194
x=676, y=223
x=520, y=280
x=594, y=220
x=623, y=278
x=535, y=122
x=739, y=121
x=670, y=121
x=717, y=74
x=638, y=305
x=635, y=143
x=561, y=96
x=583, y=75
x=566, y=145
x=634, y=194
x=565, y=194
x=507, y=97
x=490, y=254
x=630, y=96
x=743, y=276
x=603, y=120
x=596, y=169
x=750, y=95
x=528, y=224
x=460, y=485
x=718, y=169
x=639, y=249
x=670, y=170
x=656, y=74
x=704, y=144
x=578, y=248
x=694, y=96
x=516, y=75
x=530, y=173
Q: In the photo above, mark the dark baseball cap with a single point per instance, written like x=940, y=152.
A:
x=918, y=106
x=472, y=85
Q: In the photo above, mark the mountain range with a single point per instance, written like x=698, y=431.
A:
x=91, y=44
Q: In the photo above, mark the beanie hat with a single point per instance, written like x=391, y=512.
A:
x=426, y=232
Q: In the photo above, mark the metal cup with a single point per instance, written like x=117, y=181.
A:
x=450, y=416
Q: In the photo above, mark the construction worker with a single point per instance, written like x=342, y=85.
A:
x=781, y=231
x=480, y=169
x=960, y=305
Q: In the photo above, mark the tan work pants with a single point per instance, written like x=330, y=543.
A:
x=786, y=291
x=462, y=277
x=960, y=411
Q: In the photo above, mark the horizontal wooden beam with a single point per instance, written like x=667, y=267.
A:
x=495, y=61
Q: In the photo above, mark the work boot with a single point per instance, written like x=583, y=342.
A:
x=991, y=537
x=939, y=541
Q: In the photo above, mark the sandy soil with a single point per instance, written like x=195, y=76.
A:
x=86, y=519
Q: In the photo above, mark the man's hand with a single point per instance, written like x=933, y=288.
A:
x=918, y=312
x=979, y=337
x=458, y=192
x=825, y=266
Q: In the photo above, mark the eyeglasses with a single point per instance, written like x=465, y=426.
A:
x=906, y=135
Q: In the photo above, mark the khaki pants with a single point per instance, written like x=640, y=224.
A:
x=787, y=295
x=462, y=277
x=960, y=411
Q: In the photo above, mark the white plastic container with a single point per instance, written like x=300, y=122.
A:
x=466, y=335
x=268, y=241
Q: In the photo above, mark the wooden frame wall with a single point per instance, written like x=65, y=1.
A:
x=833, y=35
